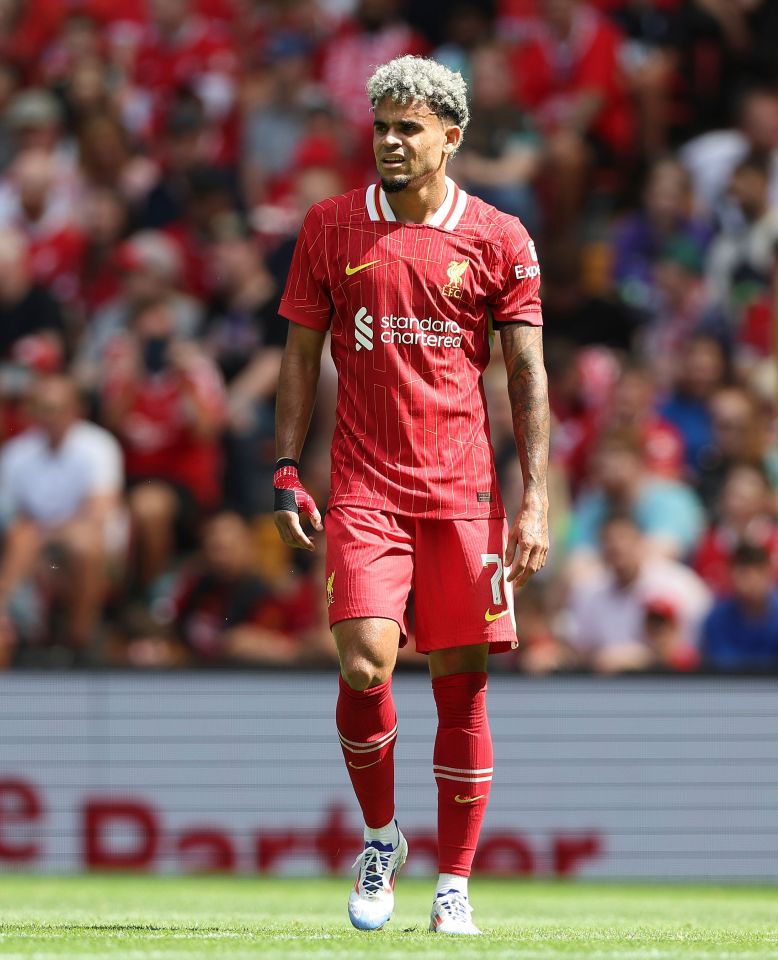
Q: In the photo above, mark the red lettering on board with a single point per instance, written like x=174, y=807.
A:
x=20, y=803
x=568, y=852
x=102, y=818
x=205, y=850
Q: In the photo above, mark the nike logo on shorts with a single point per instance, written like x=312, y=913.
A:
x=489, y=616
x=350, y=271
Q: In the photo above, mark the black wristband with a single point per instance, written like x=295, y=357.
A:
x=286, y=462
x=285, y=500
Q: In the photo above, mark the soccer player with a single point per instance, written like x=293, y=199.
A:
x=411, y=276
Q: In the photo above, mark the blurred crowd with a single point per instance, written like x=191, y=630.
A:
x=156, y=160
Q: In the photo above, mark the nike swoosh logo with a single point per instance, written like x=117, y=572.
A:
x=489, y=616
x=350, y=271
x=469, y=799
x=364, y=765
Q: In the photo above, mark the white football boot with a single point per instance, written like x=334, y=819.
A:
x=451, y=913
x=371, y=902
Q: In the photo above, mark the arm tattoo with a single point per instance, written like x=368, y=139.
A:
x=522, y=347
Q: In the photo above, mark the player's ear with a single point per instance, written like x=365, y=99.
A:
x=453, y=135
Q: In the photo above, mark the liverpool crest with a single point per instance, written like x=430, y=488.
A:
x=456, y=271
x=330, y=590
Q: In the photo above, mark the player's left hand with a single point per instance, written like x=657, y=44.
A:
x=527, y=547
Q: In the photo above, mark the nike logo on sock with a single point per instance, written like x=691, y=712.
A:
x=364, y=766
x=469, y=799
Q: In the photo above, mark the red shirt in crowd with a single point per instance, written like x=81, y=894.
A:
x=203, y=58
x=713, y=559
x=550, y=75
x=156, y=432
x=205, y=607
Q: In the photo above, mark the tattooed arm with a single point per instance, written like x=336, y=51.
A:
x=522, y=347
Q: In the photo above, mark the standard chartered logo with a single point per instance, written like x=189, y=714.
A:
x=424, y=332
x=363, y=324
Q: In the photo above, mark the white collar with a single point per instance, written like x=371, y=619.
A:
x=447, y=216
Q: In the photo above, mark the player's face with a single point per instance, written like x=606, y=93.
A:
x=410, y=143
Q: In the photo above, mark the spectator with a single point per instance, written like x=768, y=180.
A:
x=741, y=631
x=649, y=60
x=580, y=384
x=149, y=266
x=35, y=201
x=183, y=147
x=163, y=398
x=181, y=51
x=277, y=99
x=745, y=514
x=741, y=259
x=642, y=613
x=105, y=222
x=568, y=73
x=738, y=437
x=36, y=119
x=682, y=309
x=711, y=158
x=244, y=334
x=500, y=157
x=375, y=34
x=467, y=26
x=699, y=368
x=25, y=307
x=60, y=488
x=221, y=611
x=632, y=409
x=104, y=150
x=210, y=199
x=642, y=238
x=667, y=512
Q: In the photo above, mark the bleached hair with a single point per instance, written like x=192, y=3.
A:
x=419, y=78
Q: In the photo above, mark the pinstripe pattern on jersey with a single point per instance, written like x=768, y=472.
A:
x=411, y=432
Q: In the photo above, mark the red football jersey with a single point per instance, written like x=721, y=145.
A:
x=410, y=308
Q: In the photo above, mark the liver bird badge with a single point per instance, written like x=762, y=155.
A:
x=456, y=271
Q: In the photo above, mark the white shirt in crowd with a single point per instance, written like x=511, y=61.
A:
x=49, y=485
x=605, y=614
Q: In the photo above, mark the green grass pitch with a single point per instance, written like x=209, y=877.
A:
x=135, y=918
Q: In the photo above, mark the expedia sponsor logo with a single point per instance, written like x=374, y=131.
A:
x=363, y=329
x=526, y=272
x=427, y=332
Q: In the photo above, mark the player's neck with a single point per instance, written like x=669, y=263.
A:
x=419, y=204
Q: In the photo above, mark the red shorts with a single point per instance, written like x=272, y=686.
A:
x=455, y=568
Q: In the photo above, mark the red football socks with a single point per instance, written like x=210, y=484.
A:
x=462, y=764
x=367, y=727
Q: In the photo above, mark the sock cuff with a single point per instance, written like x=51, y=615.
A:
x=372, y=693
x=473, y=682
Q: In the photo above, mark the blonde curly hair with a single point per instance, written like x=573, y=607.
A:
x=419, y=78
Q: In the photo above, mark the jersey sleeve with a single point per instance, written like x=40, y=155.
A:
x=306, y=299
x=517, y=299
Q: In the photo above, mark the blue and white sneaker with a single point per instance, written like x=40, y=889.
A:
x=451, y=913
x=371, y=902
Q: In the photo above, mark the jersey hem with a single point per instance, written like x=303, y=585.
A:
x=425, y=515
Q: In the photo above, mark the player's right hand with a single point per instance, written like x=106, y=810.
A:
x=292, y=500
